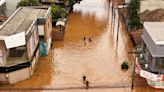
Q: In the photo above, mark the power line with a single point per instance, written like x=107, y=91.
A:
x=100, y=86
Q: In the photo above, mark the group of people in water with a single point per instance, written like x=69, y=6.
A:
x=86, y=82
x=89, y=40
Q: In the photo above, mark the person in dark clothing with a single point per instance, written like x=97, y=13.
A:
x=84, y=78
x=84, y=38
x=90, y=40
x=87, y=84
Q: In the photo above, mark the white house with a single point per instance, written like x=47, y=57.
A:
x=19, y=42
x=151, y=65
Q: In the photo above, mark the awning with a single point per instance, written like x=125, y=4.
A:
x=15, y=40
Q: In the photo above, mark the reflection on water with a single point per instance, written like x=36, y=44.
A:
x=72, y=58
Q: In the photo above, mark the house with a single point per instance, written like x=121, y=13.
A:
x=153, y=45
x=19, y=42
x=150, y=64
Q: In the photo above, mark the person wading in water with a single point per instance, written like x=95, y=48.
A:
x=84, y=78
x=84, y=38
x=90, y=40
x=87, y=84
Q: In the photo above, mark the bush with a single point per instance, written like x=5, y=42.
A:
x=58, y=12
x=135, y=23
x=124, y=65
x=28, y=3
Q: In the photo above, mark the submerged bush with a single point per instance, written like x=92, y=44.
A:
x=125, y=65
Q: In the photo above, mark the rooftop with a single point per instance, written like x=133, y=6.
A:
x=156, y=31
x=21, y=20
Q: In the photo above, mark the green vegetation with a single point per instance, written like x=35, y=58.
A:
x=70, y=2
x=133, y=10
x=28, y=3
x=135, y=23
x=58, y=12
x=125, y=65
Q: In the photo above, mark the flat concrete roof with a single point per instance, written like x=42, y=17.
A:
x=21, y=20
x=156, y=31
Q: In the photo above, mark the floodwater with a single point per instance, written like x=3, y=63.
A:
x=99, y=60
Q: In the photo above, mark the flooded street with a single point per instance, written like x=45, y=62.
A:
x=99, y=60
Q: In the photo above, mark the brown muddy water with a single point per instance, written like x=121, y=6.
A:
x=99, y=60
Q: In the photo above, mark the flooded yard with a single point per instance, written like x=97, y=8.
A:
x=99, y=60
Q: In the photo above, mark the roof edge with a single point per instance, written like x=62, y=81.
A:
x=15, y=12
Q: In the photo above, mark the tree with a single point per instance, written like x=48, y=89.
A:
x=133, y=10
x=135, y=23
x=58, y=12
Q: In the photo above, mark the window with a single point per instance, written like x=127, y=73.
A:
x=17, y=52
x=16, y=55
x=159, y=62
x=33, y=42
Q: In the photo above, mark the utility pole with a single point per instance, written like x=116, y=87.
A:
x=114, y=21
x=109, y=11
x=118, y=28
x=112, y=15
